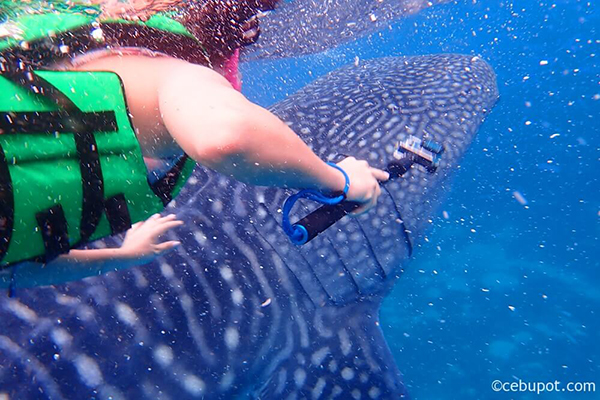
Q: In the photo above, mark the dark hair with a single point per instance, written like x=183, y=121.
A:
x=220, y=24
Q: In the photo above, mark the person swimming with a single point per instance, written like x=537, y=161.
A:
x=180, y=107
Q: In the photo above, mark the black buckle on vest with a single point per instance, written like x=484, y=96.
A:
x=163, y=188
x=53, y=225
x=117, y=213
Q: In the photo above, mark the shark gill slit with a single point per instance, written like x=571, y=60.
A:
x=287, y=266
x=404, y=230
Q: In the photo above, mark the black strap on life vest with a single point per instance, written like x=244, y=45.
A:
x=7, y=205
x=54, y=229
x=36, y=122
x=117, y=213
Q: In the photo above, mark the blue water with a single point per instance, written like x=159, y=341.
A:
x=501, y=290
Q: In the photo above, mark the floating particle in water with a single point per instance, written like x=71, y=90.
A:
x=544, y=62
x=485, y=290
x=511, y=308
x=266, y=302
x=98, y=34
x=445, y=214
x=554, y=135
x=520, y=198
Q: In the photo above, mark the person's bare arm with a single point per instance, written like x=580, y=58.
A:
x=220, y=128
x=175, y=104
x=139, y=247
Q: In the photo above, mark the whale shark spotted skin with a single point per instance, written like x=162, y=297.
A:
x=237, y=311
x=325, y=24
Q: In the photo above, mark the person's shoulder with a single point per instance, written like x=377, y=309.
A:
x=178, y=73
x=184, y=69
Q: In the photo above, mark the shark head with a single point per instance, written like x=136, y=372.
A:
x=364, y=111
x=238, y=310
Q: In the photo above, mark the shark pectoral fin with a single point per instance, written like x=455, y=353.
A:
x=351, y=362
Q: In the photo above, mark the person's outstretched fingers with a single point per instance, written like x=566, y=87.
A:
x=164, y=247
x=380, y=174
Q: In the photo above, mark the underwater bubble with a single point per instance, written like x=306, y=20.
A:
x=266, y=303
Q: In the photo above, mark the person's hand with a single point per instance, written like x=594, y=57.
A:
x=141, y=241
x=364, y=183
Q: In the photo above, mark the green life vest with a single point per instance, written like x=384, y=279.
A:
x=71, y=168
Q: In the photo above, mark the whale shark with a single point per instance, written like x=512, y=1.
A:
x=238, y=311
x=325, y=24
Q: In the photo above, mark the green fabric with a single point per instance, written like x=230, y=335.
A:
x=44, y=167
x=160, y=21
x=166, y=23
